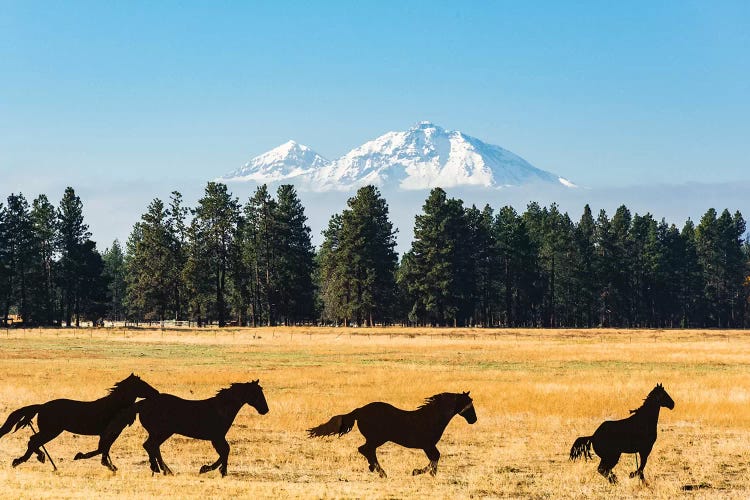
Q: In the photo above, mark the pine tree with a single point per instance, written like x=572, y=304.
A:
x=44, y=222
x=176, y=224
x=114, y=274
x=366, y=248
x=485, y=264
x=259, y=241
x=713, y=263
x=333, y=284
x=606, y=264
x=537, y=266
x=505, y=231
x=585, y=277
x=73, y=232
x=92, y=295
x=6, y=275
x=150, y=277
x=215, y=220
x=197, y=276
x=295, y=257
x=643, y=252
x=439, y=258
x=691, y=284
x=621, y=298
x=22, y=252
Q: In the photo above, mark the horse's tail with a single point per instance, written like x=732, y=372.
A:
x=340, y=424
x=581, y=448
x=20, y=418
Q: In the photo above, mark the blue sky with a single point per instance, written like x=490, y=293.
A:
x=113, y=94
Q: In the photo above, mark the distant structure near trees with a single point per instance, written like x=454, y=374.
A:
x=227, y=263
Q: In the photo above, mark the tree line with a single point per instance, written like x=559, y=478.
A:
x=224, y=262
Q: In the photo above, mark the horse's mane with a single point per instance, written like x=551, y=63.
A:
x=232, y=389
x=119, y=385
x=435, y=400
x=228, y=391
x=647, y=399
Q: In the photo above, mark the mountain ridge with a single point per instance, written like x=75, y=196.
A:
x=422, y=157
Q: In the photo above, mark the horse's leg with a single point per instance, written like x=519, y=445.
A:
x=36, y=442
x=148, y=445
x=222, y=448
x=434, y=455
x=103, y=449
x=369, y=451
x=606, y=465
x=88, y=454
x=644, y=458
x=164, y=467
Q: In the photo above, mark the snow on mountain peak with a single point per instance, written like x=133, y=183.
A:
x=422, y=157
x=286, y=161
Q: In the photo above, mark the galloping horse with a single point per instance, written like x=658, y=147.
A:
x=635, y=434
x=422, y=428
x=79, y=417
x=206, y=419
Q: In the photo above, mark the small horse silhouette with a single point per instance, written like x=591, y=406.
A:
x=635, y=434
x=422, y=428
x=206, y=419
x=79, y=417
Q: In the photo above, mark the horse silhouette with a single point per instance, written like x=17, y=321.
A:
x=79, y=417
x=421, y=428
x=635, y=434
x=206, y=419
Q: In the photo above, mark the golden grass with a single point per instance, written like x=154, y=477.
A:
x=535, y=392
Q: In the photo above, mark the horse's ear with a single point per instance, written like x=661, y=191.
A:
x=256, y=381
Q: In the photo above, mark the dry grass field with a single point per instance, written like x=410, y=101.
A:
x=534, y=393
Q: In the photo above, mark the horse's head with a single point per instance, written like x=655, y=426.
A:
x=255, y=397
x=135, y=387
x=465, y=407
x=660, y=396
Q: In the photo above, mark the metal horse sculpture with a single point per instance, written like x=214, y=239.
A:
x=422, y=428
x=635, y=434
x=206, y=419
x=79, y=417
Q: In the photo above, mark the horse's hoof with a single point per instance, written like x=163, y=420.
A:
x=79, y=456
x=16, y=462
x=382, y=473
x=41, y=458
x=204, y=469
x=372, y=468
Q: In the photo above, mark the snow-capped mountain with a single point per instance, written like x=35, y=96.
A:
x=287, y=161
x=423, y=157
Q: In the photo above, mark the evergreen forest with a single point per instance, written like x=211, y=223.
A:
x=252, y=263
